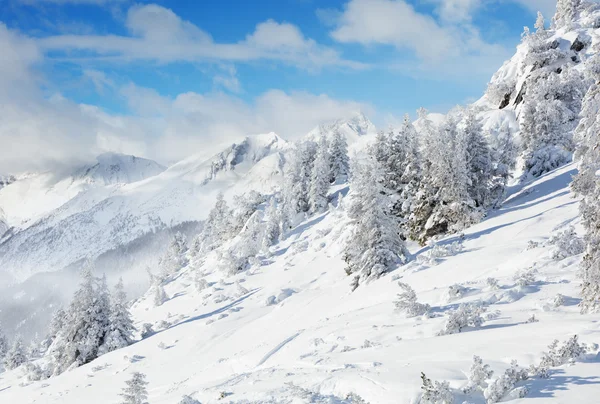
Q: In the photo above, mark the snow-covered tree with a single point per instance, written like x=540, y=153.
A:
x=188, y=400
x=175, y=257
x=298, y=172
x=501, y=386
x=376, y=246
x=245, y=206
x=160, y=296
x=407, y=302
x=135, y=392
x=15, y=356
x=504, y=160
x=216, y=228
x=479, y=161
x=3, y=344
x=479, y=374
x=85, y=324
x=272, y=230
x=587, y=184
x=120, y=328
x=566, y=13
x=434, y=392
x=320, y=178
x=340, y=163
x=540, y=24
x=467, y=315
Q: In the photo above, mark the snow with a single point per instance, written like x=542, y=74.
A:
x=332, y=342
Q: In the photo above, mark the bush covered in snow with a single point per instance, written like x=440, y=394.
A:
x=566, y=244
x=435, y=392
x=478, y=376
x=525, y=278
x=408, y=304
x=438, y=251
x=455, y=292
x=504, y=384
x=468, y=315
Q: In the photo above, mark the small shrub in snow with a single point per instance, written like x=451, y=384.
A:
x=353, y=398
x=504, y=384
x=135, y=392
x=435, y=392
x=467, y=315
x=492, y=283
x=532, y=319
x=569, y=352
x=408, y=304
x=566, y=244
x=532, y=245
x=163, y=325
x=559, y=300
x=455, y=292
x=147, y=330
x=188, y=400
x=438, y=251
x=36, y=372
x=200, y=283
x=525, y=278
x=478, y=376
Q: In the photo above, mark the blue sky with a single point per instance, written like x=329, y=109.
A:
x=229, y=67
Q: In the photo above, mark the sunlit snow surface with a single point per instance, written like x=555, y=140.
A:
x=321, y=337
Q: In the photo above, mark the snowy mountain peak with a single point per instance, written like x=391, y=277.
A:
x=115, y=168
x=353, y=127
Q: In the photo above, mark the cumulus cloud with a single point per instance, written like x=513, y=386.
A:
x=37, y=132
x=158, y=34
x=452, y=45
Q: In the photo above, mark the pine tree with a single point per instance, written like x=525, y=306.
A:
x=540, y=24
x=135, y=392
x=216, y=229
x=479, y=162
x=272, y=224
x=376, y=246
x=175, y=258
x=340, y=163
x=566, y=13
x=297, y=180
x=15, y=356
x=85, y=324
x=3, y=344
x=587, y=184
x=504, y=159
x=120, y=329
x=160, y=296
x=320, y=178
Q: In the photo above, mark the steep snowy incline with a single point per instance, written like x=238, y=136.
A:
x=292, y=323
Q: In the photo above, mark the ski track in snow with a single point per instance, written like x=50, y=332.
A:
x=278, y=347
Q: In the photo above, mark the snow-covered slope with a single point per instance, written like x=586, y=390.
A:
x=357, y=126
x=293, y=321
x=128, y=201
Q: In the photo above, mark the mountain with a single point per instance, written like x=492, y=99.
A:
x=353, y=128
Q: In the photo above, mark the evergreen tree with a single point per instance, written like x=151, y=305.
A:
x=15, y=356
x=85, y=324
x=135, y=392
x=3, y=344
x=375, y=246
x=175, y=258
x=340, y=163
x=566, y=13
x=120, y=329
x=587, y=184
x=504, y=159
x=479, y=162
x=160, y=296
x=216, y=229
x=272, y=225
x=320, y=178
x=297, y=180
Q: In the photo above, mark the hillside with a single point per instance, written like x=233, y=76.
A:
x=322, y=338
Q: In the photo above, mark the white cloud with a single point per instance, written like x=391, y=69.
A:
x=457, y=10
x=37, y=133
x=158, y=34
x=228, y=79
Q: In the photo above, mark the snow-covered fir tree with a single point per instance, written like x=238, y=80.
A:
x=479, y=161
x=566, y=13
x=159, y=294
x=85, y=324
x=120, y=327
x=340, y=163
x=320, y=178
x=175, y=257
x=587, y=184
x=216, y=228
x=298, y=172
x=3, y=344
x=272, y=230
x=504, y=160
x=15, y=356
x=245, y=206
x=135, y=391
x=375, y=246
